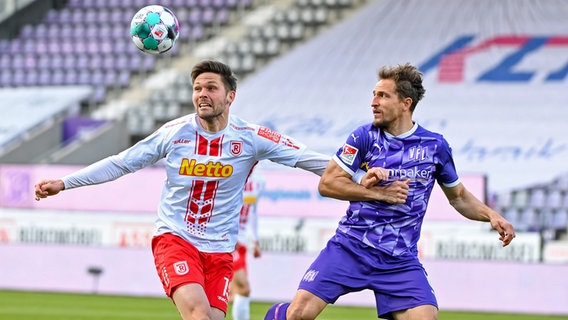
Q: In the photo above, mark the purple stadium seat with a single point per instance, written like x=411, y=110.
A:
x=84, y=77
x=66, y=46
x=208, y=16
x=63, y=15
x=27, y=32
x=80, y=47
x=14, y=47
x=100, y=3
x=123, y=78
x=29, y=46
x=197, y=33
x=53, y=31
x=17, y=62
x=195, y=17
x=32, y=78
x=30, y=61
x=71, y=77
x=218, y=4
x=40, y=31
x=69, y=61
x=205, y=3
x=5, y=62
x=44, y=78
x=53, y=48
x=51, y=16
x=121, y=62
x=82, y=62
x=43, y=62
x=18, y=77
x=231, y=4
x=110, y=78
x=57, y=77
x=97, y=78
x=222, y=16
x=148, y=63
x=95, y=62
x=77, y=16
x=90, y=17
x=76, y=3
x=66, y=32
x=109, y=62
x=115, y=16
x=5, y=78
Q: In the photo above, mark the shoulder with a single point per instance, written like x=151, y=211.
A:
x=180, y=122
x=425, y=133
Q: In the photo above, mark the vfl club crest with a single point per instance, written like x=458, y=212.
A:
x=236, y=147
x=181, y=268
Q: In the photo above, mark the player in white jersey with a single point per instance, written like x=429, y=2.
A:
x=248, y=234
x=208, y=156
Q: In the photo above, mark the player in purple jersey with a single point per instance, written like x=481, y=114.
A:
x=207, y=157
x=375, y=245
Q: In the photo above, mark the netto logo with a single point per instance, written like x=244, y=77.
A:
x=211, y=169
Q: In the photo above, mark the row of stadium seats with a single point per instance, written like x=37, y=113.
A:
x=103, y=17
x=218, y=4
x=536, y=208
x=539, y=197
x=535, y=220
x=107, y=78
x=70, y=62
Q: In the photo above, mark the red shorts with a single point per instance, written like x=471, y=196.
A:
x=240, y=257
x=178, y=262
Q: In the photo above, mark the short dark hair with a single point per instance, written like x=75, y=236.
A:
x=229, y=79
x=408, y=81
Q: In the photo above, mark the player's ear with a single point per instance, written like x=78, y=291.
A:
x=231, y=96
x=407, y=103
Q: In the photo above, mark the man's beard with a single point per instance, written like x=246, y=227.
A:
x=213, y=115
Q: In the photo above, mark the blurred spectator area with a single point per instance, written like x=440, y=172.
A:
x=539, y=208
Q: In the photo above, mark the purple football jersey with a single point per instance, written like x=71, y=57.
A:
x=420, y=155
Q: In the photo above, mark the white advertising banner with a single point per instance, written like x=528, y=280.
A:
x=439, y=240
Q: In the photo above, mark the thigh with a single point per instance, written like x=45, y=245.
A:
x=218, y=270
x=191, y=301
x=426, y=312
x=305, y=305
x=240, y=279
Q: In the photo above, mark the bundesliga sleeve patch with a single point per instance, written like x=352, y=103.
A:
x=348, y=154
x=269, y=134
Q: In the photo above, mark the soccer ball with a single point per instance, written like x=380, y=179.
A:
x=154, y=29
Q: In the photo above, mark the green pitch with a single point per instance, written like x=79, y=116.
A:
x=20, y=305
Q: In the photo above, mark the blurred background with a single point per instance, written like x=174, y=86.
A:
x=74, y=89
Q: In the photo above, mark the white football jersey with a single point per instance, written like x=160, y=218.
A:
x=248, y=221
x=206, y=173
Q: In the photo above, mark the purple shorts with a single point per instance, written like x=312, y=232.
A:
x=348, y=265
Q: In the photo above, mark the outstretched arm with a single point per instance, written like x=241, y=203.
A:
x=470, y=207
x=337, y=183
x=107, y=169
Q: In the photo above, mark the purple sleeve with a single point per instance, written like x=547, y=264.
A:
x=447, y=170
x=352, y=154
